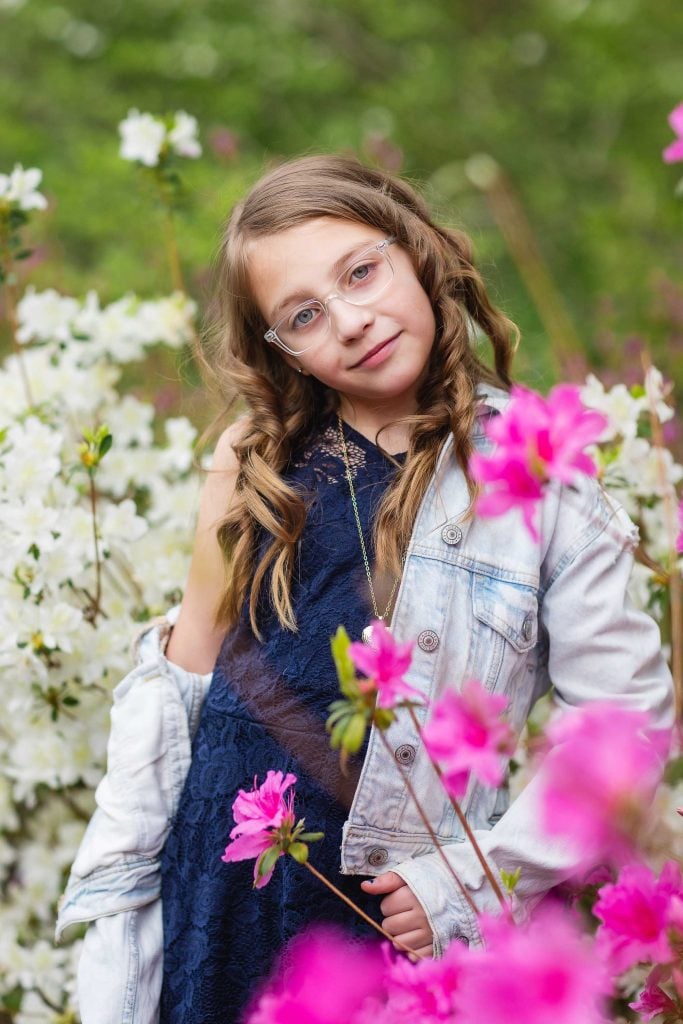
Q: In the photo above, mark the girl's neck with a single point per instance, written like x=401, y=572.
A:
x=395, y=435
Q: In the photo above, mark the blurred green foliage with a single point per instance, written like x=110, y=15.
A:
x=569, y=96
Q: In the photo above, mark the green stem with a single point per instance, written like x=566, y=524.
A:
x=354, y=906
x=172, y=248
x=464, y=822
x=96, y=610
x=11, y=304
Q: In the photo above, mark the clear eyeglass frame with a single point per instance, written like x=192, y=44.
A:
x=271, y=335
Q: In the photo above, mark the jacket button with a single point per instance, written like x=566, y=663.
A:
x=451, y=534
x=528, y=628
x=428, y=641
x=378, y=856
x=405, y=754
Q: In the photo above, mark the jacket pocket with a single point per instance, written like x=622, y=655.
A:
x=505, y=617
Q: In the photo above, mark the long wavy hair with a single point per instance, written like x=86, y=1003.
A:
x=284, y=406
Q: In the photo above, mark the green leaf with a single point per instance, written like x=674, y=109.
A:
x=105, y=444
x=383, y=717
x=266, y=861
x=338, y=731
x=299, y=852
x=673, y=773
x=355, y=733
x=71, y=702
x=346, y=672
x=510, y=879
x=344, y=711
x=312, y=837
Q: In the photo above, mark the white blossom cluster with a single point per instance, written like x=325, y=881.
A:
x=64, y=636
x=20, y=188
x=640, y=475
x=144, y=137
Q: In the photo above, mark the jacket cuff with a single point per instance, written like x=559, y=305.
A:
x=152, y=640
x=448, y=913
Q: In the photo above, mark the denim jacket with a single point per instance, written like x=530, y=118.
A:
x=482, y=600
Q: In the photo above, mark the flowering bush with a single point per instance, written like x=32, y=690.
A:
x=96, y=499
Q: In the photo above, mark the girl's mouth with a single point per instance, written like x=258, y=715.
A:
x=377, y=354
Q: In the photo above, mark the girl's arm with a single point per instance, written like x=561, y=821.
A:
x=196, y=639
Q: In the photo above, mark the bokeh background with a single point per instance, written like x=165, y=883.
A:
x=579, y=238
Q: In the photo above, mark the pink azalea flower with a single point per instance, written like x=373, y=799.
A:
x=259, y=814
x=674, y=152
x=540, y=972
x=537, y=439
x=596, y=785
x=466, y=734
x=422, y=992
x=385, y=662
x=653, y=999
x=635, y=915
x=323, y=979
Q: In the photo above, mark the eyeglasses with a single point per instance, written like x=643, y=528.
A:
x=366, y=277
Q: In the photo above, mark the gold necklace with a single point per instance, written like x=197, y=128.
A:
x=366, y=635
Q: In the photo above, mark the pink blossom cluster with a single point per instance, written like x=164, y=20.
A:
x=543, y=971
x=674, y=152
x=260, y=814
x=598, y=780
x=385, y=662
x=467, y=734
x=536, y=440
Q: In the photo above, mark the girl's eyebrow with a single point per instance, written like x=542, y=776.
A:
x=337, y=268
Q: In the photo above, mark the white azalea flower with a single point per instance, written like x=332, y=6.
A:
x=121, y=523
x=618, y=405
x=183, y=135
x=130, y=422
x=167, y=320
x=181, y=435
x=57, y=622
x=21, y=187
x=142, y=137
x=657, y=394
x=45, y=316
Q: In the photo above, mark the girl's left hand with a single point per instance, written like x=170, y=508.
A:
x=404, y=917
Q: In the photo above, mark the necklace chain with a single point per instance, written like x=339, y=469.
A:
x=366, y=561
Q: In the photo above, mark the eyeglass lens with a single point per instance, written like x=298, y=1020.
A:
x=360, y=283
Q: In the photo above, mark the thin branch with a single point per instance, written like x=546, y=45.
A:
x=425, y=820
x=464, y=822
x=354, y=906
x=670, y=518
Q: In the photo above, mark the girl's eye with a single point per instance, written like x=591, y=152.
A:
x=361, y=273
x=303, y=317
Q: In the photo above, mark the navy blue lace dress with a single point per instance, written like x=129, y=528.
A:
x=266, y=708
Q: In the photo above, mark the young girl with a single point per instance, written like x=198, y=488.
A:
x=344, y=323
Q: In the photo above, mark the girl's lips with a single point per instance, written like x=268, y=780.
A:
x=377, y=354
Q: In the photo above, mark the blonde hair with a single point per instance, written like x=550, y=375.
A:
x=284, y=406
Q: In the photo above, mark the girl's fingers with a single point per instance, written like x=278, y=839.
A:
x=416, y=939
x=421, y=953
x=410, y=921
x=382, y=884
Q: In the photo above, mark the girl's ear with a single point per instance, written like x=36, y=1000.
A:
x=292, y=361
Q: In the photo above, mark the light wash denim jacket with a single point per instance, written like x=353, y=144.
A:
x=482, y=600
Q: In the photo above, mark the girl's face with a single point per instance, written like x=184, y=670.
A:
x=373, y=355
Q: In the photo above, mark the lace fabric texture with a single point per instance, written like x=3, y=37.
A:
x=266, y=708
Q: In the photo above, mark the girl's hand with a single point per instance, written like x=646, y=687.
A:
x=404, y=917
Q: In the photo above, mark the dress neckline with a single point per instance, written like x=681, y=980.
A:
x=365, y=442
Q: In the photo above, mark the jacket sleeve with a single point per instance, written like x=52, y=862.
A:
x=599, y=648
x=114, y=882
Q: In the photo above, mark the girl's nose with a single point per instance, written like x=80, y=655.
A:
x=347, y=320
